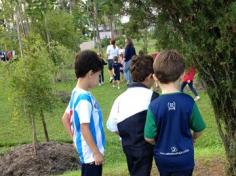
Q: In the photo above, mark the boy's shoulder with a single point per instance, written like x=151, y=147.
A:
x=179, y=97
x=79, y=94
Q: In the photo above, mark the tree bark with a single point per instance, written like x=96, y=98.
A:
x=225, y=113
x=18, y=30
x=145, y=41
x=95, y=16
x=44, y=125
x=223, y=102
x=111, y=26
x=34, y=134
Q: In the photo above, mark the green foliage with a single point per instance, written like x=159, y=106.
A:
x=105, y=42
x=60, y=27
x=38, y=8
x=120, y=41
x=31, y=79
x=60, y=55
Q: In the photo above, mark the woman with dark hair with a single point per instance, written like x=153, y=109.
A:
x=112, y=51
x=129, y=53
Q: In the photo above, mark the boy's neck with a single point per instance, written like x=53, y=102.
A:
x=168, y=88
x=82, y=84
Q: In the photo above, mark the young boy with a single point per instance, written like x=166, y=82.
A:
x=170, y=119
x=116, y=72
x=128, y=115
x=83, y=118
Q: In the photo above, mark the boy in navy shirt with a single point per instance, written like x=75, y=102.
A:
x=173, y=120
x=116, y=72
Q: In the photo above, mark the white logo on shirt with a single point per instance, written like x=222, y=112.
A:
x=171, y=106
x=174, y=149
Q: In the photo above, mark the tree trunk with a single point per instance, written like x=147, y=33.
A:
x=223, y=102
x=18, y=30
x=225, y=113
x=95, y=16
x=34, y=134
x=46, y=27
x=111, y=26
x=145, y=41
x=44, y=125
x=22, y=24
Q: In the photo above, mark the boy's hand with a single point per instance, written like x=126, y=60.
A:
x=188, y=81
x=98, y=158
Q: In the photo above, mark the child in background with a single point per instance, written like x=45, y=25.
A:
x=83, y=117
x=121, y=60
x=101, y=76
x=171, y=118
x=128, y=115
x=188, y=80
x=116, y=72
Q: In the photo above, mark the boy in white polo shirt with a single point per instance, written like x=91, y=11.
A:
x=83, y=118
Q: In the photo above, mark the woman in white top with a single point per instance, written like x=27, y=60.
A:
x=112, y=51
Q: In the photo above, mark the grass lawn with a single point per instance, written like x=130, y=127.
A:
x=15, y=131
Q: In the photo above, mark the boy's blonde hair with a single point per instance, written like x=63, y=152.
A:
x=169, y=66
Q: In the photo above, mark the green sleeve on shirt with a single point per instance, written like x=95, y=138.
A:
x=150, y=130
x=196, y=123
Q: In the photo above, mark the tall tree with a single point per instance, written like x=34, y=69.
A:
x=31, y=82
x=204, y=31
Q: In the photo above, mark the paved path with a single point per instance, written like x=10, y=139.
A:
x=87, y=45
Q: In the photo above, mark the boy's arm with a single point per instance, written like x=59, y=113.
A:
x=66, y=122
x=150, y=129
x=151, y=141
x=195, y=135
x=112, y=119
x=197, y=123
x=98, y=157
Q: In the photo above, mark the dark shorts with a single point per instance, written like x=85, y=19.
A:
x=91, y=170
x=117, y=77
x=110, y=64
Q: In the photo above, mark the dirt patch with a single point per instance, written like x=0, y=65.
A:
x=52, y=158
x=210, y=167
x=204, y=167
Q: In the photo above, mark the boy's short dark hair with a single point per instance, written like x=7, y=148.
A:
x=113, y=41
x=169, y=66
x=85, y=61
x=115, y=58
x=141, y=67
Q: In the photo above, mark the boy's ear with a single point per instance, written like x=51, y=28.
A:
x=154, y=77
x=90, y=73
x=150, y=76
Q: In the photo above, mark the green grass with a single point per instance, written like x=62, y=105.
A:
x=16, y=131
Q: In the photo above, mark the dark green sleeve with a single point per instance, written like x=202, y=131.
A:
x=196, y=122
x=150, y=129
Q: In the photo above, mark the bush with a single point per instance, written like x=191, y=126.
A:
x=105, y=42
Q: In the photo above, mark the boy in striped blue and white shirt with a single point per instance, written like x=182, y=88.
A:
x=83, y=118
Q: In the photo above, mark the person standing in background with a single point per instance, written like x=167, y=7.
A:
x=129, y=53
x=112, y=51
